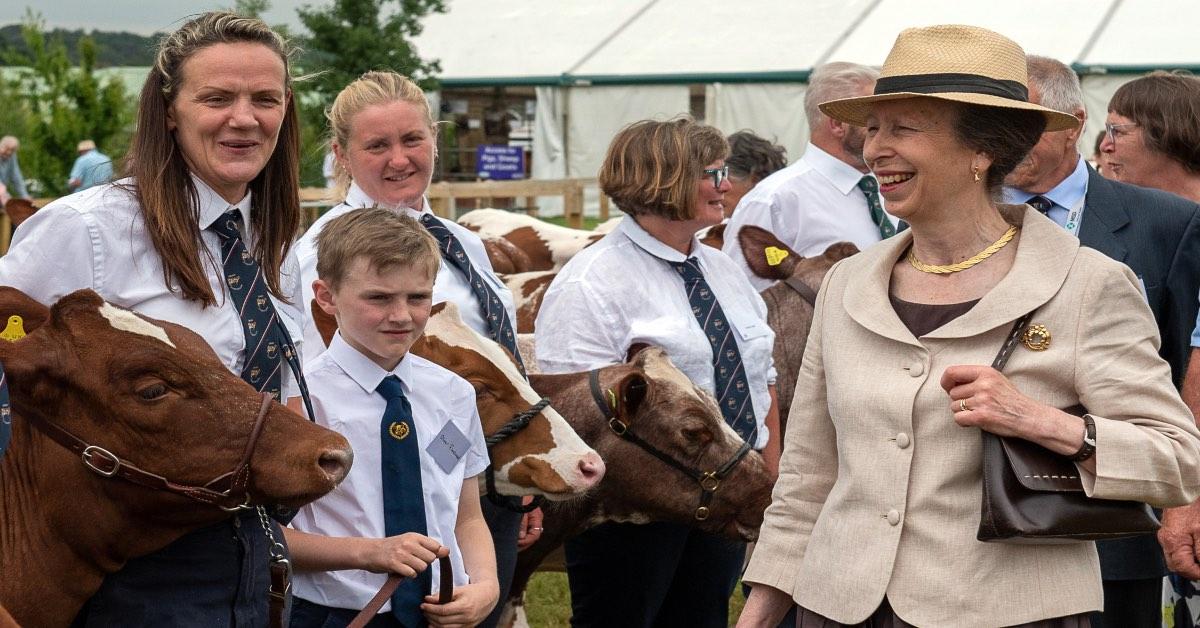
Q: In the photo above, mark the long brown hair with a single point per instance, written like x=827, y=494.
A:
x=165, y=190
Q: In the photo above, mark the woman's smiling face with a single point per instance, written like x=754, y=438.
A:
x=390, y=153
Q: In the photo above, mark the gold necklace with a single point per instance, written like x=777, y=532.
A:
x=965, y=264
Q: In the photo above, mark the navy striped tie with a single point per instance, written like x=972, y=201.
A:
x=870, y=189
x=500, y=328
x=1041, y=203
x=403, y=496
x=5, y=413
x=263, y=366
x=732, y=391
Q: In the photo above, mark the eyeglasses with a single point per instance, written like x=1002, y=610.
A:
x=718, y=175
x=1111, y=129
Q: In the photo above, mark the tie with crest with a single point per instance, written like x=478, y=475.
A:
x=732, y=391
x=1041, y=203
x=500, y=328
x=870, y=189
x=265, y=345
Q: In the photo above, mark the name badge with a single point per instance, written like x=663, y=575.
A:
x=448, y=447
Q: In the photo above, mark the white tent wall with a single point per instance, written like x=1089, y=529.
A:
x=774, y=111
x=1097, y=91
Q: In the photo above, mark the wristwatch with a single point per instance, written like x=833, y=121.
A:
x=1088, y=448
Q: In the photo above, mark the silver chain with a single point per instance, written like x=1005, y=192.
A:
x=277, y=550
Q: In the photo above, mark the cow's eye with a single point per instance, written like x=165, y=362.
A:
x=153, y=392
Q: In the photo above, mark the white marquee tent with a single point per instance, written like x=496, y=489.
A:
x=597, y=66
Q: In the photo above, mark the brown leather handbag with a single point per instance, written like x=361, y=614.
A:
x=1032, y=495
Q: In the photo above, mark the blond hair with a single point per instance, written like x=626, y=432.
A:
x=370, y=89
x=384, y=238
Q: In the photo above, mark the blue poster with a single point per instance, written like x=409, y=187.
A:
x=499, y=163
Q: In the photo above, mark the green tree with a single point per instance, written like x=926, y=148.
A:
x=66, y=104
x=345, y=39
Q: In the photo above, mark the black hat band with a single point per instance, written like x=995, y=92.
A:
x=951, y=82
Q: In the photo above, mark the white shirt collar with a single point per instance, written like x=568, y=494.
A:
x=212, y=206
x=363, y=371
x=842, y=175
x=653, y=245
x=356, y=197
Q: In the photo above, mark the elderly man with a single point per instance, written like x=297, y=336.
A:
x=92, y=167
x=1158, y=236
x=10, y=170
x=827, y=195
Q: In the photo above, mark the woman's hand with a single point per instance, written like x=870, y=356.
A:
x=981, y=397
x=406, y=554
x=470, y=605
x=765, y=607
x=531, y=526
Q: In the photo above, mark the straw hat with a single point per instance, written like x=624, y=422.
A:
x=85, y=145
x=951, y=62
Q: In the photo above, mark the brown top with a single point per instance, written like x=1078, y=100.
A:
x=922, y=318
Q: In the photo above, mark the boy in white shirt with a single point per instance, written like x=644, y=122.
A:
x=412, y=493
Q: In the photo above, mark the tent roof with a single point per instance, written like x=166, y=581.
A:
x=566, y=42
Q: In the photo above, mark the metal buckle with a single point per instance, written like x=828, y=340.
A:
x=702, y=513
x=104, y=454
x=617, y=426
x=245, y=505
x=709, y=481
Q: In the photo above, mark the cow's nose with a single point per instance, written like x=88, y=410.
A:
x=591, y=469
x=335, y=463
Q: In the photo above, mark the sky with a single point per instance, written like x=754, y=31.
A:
x=138, y=16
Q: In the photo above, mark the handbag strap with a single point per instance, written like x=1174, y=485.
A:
x=1011, y=343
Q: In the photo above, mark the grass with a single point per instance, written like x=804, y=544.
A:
x=548, y=601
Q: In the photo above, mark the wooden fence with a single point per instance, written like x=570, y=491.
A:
x=444, y=200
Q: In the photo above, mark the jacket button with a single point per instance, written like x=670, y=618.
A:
x=893, y=517
x=902, y=440
x=916, y=369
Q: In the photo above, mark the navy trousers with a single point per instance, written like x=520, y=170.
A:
x=504, y=525
x=215, y=577
x=306, y=614
x=658, y=574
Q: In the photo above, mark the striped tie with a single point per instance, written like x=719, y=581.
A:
x=5, y=413
x=1041, y=203
x=265, y=348
x=870, y=189
x=500, y=328
x=403, y=495
x=732, y=391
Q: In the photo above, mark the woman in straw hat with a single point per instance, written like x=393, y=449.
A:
x=875, y=513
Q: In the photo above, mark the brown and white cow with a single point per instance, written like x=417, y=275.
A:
x=19, y=210
x=548, y=246
x=155, y=395
x=505, y=257
x=546, y=457
x=528, y=289
x=662, y=406
x=789, y=302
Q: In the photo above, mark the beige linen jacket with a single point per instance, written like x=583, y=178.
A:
x=879, y=489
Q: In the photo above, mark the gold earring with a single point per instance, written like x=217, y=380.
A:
x=975, y=171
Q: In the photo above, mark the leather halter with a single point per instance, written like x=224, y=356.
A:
x=227, y=491
x=445, y=593
x=519, y=422
x=709, y=481
x=806, y=293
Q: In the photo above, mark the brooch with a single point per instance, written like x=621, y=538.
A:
x=1036, y=337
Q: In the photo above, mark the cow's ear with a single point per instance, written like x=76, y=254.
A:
x=839, y=251
x=766, y=255
x=34, y=364
x=16, y=304
x=631, y=392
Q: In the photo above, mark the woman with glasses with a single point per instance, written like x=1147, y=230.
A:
x=650, y=282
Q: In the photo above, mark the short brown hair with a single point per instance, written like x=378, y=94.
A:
x=1006, y=135
x=1167, y=107
x=652, y=167
x=753, y=156
x=383, y=237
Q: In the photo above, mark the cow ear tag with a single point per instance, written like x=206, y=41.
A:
x=775, y=255
x=15, y=330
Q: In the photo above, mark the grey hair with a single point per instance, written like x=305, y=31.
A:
x=1056, y=82
x=830, y=81
x=9, y=140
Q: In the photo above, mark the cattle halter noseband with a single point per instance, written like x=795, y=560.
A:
x=709, y=481
x=519, y=422
x=227, y=491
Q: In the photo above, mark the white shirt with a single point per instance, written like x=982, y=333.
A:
x=449, y=285
x=620, y=291
x=97, y=239
x=809, y=205
x=342, y=384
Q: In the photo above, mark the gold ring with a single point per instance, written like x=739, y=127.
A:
x=962, y=405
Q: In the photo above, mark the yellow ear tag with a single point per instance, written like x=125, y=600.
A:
x=15, y=330
x=775, y=255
